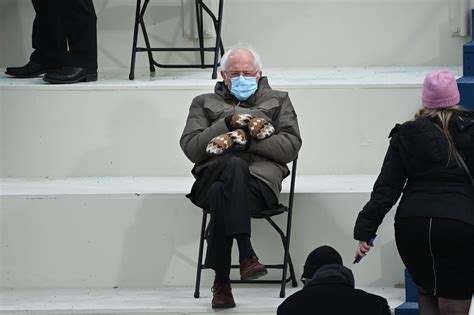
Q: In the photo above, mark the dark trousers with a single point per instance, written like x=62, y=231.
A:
x=231, y=194
x=65, y=33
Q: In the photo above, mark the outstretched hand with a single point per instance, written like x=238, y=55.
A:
x=362, y=249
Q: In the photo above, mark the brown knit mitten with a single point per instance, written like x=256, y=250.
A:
x=236, y=120
x=260, y=129
x=235, y=140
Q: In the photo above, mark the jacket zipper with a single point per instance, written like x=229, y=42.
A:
x=432, y=258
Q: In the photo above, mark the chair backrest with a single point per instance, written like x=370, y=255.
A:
x=281, y=207
x=292, y=185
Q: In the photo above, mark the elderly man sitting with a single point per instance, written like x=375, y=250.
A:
x=240, y=138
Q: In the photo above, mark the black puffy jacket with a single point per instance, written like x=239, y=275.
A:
x=417, y=164
x=331, y=292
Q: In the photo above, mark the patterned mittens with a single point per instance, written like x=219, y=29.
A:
x=236, y=121
x=258, y=128
x=235, y=140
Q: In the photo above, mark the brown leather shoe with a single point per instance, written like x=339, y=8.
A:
x=251, y=269
x=222, y=296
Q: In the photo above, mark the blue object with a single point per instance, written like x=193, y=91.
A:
x=407, y=308
x=243, y=87
x=410, y=307
x=370, y=243
x=411, y=291
x=466, y=82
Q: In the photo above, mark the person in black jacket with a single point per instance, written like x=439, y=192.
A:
x=64, y=42
x=329, y=290
x=430, y=160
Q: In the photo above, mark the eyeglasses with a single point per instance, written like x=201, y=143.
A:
x=234, y=74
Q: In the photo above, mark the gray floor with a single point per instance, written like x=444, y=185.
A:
x=249, y=300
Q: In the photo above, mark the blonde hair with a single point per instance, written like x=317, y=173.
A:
x=444, y=116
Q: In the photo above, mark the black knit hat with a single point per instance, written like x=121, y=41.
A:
x=321, y=256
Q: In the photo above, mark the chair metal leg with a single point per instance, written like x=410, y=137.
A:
x=218, y=38
x=294, y=283
x=145, y=36
x=202, y=49
x=200, y=254
x=221, y=44
x=283, y=283
x=287, y=249
x=200, y=27
x=286, y=258
x=216, y=24
x=131, y=76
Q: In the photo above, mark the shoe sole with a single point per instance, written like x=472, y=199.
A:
x=224, y=306
x=29, y=76
x=256, y=275
x=84, y=78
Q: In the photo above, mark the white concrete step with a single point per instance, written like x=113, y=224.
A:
x=113, y=79
x=53, y=188
x=93, y=233
x=262, y=300
x=117, y=127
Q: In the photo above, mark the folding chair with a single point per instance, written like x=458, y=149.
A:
x=284, y=238
x=200, y=8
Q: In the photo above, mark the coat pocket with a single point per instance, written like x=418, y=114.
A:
x=268, y=109
x=215, y=111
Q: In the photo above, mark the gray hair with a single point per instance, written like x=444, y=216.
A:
x=256, y=58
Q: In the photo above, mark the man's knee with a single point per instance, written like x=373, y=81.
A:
x=237, y=164
x=215, y=189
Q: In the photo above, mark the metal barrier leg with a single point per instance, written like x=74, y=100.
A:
x=131, y=76
x=145, y=36
x=200, y=26
x=218, y=38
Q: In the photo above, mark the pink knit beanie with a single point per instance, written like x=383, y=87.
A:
x=440, y=90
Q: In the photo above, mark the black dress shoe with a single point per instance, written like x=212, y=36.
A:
x=30, y=70
x=71, y=75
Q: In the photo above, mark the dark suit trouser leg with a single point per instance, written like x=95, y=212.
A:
x=231, y=200
x=49, y=40
x=220, y=246
x=79, y=20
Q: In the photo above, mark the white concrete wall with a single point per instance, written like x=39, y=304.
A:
x=153, y=242
x=136, y=132
x=286, y=32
